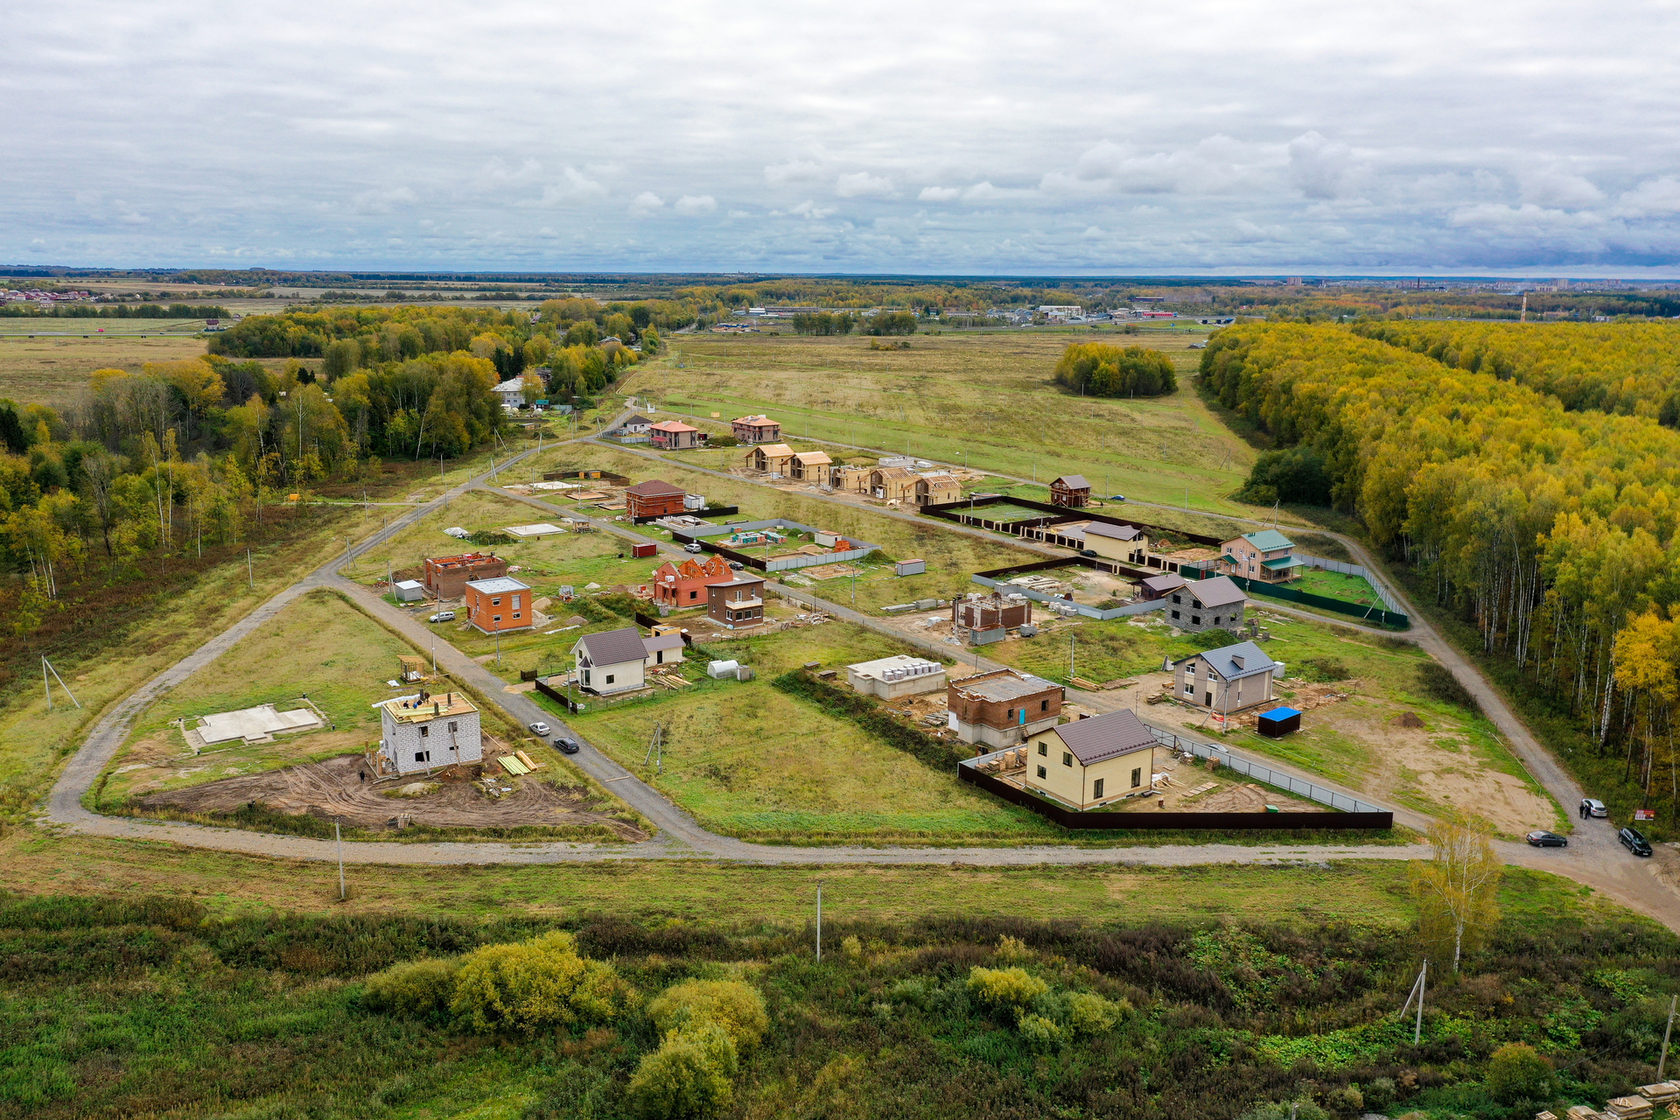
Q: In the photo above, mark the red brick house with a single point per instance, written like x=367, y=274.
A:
x=447, y=576
x=674, y=435
x=738, y=603
x=1001, y=708
x=652, y=498
x=494, y=605
x=756, y=429
x=1070, y=490
x=685, y=585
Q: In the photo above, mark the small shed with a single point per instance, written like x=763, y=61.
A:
x=909, y=567
x=409, y=591
x=411, y=668
x=1279, y=722
x=641, y=550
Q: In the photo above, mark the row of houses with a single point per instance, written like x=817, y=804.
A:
x=897, y=484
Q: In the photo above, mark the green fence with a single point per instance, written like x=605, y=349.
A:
x=1375, y=615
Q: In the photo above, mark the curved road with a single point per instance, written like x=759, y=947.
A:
x=1590, y=859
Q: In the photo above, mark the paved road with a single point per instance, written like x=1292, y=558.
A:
x=680, y=836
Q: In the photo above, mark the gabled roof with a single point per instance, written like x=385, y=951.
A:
x=636, y=419
x=1268, y=540
x=759, y=421
x=813, y=458
x=894, y=472
x=1072, y=482
x=1165, y=582
x=1117, y=532
x=1103, y=737
x=511, y=385
x=1220, y=591
x=662, y=641
x=1245, y=659
x=673, y=426
x=773, y=450
x=613, y=647
x=653, y=488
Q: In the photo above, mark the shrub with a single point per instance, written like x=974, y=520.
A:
x=851, y=948
x=1013, y=949
x=1380, y=1093
x=1005, y=989
x=534, y=984
x=688, y=1076
x=421, y=989
x=1089, y=1013
x=1285, y=1110
x=1346, y=1100
x=1437, y=682
x=732, y=1005
x=723, y=441
x=1040, y=1032
x=1517, y=1072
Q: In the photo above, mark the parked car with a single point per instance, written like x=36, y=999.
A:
x=1117, y=497
x=1543, y=839
x=566, y=746
x=736, y=565
x=1634, y=841
x=538, y=728
x=693, y=546
x=442, y=616
x=1593, y=807
x=1091, y=552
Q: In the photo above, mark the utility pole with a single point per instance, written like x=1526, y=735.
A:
x=1070, y=659
x=819, y=921
x=1662, y=1062
x=250, y=579
x=1417, y=990
x=338, y=838
x=46, y=667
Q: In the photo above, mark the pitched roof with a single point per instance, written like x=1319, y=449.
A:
x=759, y=421
x=1245, y=659
x=636, y=419
x=673, y=426
x=652, y=488
x=1117, y=532
x=813, y=458
x=613, y=647
x=511, y=385
x=662, y=641
x=1103, y=737
x=1268, y=540
x=1220, y=591
x=774, y=450
x=1165, y=582
x=1073, y=482
x=894, y=472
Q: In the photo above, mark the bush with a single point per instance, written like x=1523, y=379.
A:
x=1089, y=1013
x=1517, y=1072
x=1006, y=989
x=420, y=989
x=1040, y=1032
x=732, y=1005
x=534, y=984
x=688, y=1076
x=723, y=441
x=1437, y=682
x=1283, y=1110
x=1346, y=1100
x=1380, y=1093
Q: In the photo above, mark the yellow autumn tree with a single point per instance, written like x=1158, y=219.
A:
x=1457, y=889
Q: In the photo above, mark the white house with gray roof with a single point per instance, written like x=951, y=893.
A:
x=1226, y=680
x=1091, y=762
x=611, y=661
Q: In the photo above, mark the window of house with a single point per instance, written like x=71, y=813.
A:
x=425, y=731
x=1189, y=688
x=1010, y=715
x=1041, y=772
x=1195, y=620
x=1067, y=758
x=1175, y=614
x=496, y=618
x=1043, y=748
x=1097, y=788
x=609, y=678
x=1137, y=776
x=422, y=756
x=453, y=726
x=496, y=602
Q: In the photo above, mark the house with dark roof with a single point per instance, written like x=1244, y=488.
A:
x=1071, y=490
x=1001, y=707
x=653, y=498
x=636, y=425
x=611, y=661
x=1206, y=604
x=1226, y=680
x=1159, y=587
x=1091, y=762
x=1267, y=556
x=1124, y=543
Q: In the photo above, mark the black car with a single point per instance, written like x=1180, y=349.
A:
x=1634, y=841
x=1544, y=839
x=566, y=746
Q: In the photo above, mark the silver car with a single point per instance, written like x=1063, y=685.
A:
x=1593, y=807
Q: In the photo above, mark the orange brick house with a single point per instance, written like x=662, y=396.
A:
x=446, y=577
x=495, y=605
x=653, y=499
x=685, y=585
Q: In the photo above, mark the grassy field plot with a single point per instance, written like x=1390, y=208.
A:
x=1336, y=585
x=982, y=400
x=319, y=647
x=52, y=369
x=1397, y=734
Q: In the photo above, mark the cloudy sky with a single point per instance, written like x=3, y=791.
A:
x=1024, y=138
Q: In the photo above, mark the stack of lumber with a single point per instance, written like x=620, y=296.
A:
x=513, y=765
x=1545, y=1116
x=526, y=759
x=1662, y=1093
x=1582, y=1112
x=1628, y=1108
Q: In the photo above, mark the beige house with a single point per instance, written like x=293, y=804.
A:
x=810, y=466
x=1267, y=556
x=892, y=484
x=850, y=480
x=611, y=661
x=1225, y=680
x=1126, y=544
x=937, y=489
x=769, y=458
x=1091, y=762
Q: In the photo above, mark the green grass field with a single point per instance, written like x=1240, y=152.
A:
x=1335, y=585
x=984, y=399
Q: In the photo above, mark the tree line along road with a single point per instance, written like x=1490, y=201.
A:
x=679, y=835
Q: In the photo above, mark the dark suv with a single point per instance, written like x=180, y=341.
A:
x=1634, y=841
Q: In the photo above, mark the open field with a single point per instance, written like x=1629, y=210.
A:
x=1335, y=585
x=1390, y=737
x=52, y=370
x=987, y=397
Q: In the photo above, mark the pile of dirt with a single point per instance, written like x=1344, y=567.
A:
x=1408, y=719
x=334, y=789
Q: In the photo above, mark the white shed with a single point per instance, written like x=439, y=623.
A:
x=409, y=591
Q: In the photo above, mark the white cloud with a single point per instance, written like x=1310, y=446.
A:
x=1319, y=168
x=861, y=184
x=497, y=174
x=573, y=186
x=1562, y=189
x=792, y=171
x=939, y=194
x=1659, y=197
x=691, y=204
x=384, y=200
x=646, y=203
x=806, y=209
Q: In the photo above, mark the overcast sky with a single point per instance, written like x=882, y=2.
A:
x=1115, y=137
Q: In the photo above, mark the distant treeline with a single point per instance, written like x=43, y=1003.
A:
x=114, y=311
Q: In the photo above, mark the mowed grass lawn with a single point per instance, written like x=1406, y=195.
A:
x=984, y=398
x=952, y=557
x=1337, y=585
x=318, y=646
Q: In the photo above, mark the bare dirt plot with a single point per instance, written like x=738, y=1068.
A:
x=332, y=789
